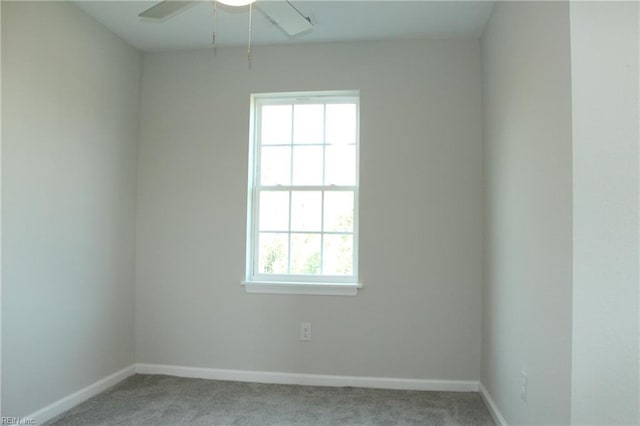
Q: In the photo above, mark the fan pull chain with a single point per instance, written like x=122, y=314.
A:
x=215, y=27
x=250, y=33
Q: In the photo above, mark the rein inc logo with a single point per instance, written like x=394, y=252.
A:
x=17, y=421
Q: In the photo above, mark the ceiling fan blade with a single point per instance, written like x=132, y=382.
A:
x=286, y=16
x=164, y=9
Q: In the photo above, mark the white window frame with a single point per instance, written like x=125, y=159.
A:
x=255, y=282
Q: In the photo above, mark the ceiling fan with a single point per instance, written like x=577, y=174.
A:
x=280, y=12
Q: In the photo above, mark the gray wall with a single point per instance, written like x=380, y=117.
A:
x=528, y=258
x=604, y=53
x=70, y=105
x=0, y=221
x=421, y=206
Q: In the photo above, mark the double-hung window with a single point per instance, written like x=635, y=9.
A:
x=303, y=193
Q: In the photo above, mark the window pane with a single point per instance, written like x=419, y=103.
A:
x=303, y=214
x=338, y=211
x=275, y=165
x=340, y=165
x=308, y=124
x=306, y=210
x=338, y=255
x=305, y=254
x=276, y=124
x=273, y=253
x=307, y=165
x=341, y=124
x=274, y=211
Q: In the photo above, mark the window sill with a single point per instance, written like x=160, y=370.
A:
x=318, y=289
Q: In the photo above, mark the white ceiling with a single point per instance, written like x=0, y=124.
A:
x=334, y=21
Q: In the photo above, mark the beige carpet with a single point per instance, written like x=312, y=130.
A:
x=166, y=400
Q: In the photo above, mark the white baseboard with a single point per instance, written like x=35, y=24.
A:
x=70, y=401
x=492, y=407
x=309, y=379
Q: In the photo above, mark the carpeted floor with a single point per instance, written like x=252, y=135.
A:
x=166, y=400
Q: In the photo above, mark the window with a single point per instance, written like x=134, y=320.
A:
x=302, y=231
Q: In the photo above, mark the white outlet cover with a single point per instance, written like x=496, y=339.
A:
x=305, y=331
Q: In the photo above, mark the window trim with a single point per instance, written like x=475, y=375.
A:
x=317, y=288
x=289, y=283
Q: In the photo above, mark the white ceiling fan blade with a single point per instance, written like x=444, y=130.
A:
x=164, y=9
x=286, y=16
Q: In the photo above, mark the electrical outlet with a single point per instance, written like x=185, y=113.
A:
x=523, y=386
x=305, y=331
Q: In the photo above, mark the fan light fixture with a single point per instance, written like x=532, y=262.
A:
x=236, y=2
